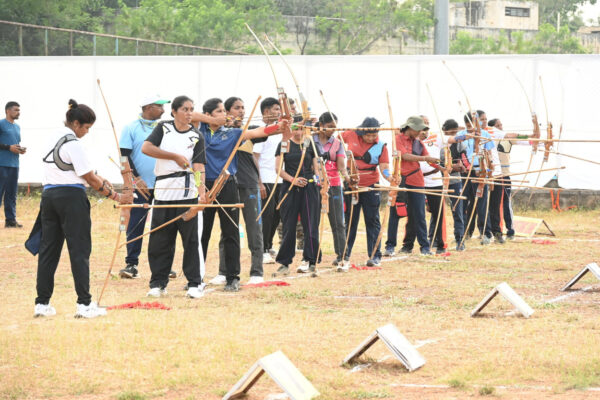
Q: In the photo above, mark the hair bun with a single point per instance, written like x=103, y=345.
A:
x=72, y=104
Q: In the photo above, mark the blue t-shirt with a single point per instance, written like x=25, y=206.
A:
x=488, y=145
x=9, y=134
x=132, y=137
x=219, y=146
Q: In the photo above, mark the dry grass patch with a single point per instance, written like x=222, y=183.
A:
x=200, y=348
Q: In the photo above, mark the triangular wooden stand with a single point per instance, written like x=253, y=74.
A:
x=593, y=268
x=396, y=342
x=509, y=294
x=282, y=371
x=527, y=227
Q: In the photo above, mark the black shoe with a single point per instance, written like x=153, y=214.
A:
x=499, y=239
x=129, y=272
x=12, y=224
x=172, y=274
x=405, y=250
x=233, y=286
x=283, y=270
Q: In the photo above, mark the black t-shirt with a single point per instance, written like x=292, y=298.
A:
x=291, y=159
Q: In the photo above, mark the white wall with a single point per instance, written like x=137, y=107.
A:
x=354, y=87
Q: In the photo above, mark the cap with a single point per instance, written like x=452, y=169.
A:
x=415, y=122
x=369, y=122
x=153, y=99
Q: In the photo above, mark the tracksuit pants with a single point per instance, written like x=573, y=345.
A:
x=229, y=230
x=369, y=203
x=161, y=245
x=306, y=202
x=254, y=232
x=9, y=181
x=135, y=228
x=271, y=216
x=65, y=216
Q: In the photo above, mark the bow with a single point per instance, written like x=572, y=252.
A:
x=127, y=175
x=286, y=114
x=394, y=179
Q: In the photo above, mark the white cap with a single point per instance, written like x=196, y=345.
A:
x=153, y=99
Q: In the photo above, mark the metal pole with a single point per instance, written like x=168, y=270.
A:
x=441, y=42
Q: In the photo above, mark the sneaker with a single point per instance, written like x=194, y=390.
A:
x=389, y=252
x=302, y=268
x=43, y=310
x=440, y=251
x=267, y=259
x=195, y=292
x=156, y=292
x=485, y=241
x=172, y=274
x=90, y=311
x=426, y=252
x=375, y=262
x=12, y=224
x=233, y=286
x=255, y=279
x=273, y=252
x=218, y=280
x=129, y=272
x=499, y=239
x=460, y=247
x=405, y=250
x=282, y=271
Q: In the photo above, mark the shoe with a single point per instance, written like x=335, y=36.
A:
x=267, y=259
x=405, y=250
x=389, y=252
x=510, y=237
x=156, y=292
x=282, y=271
x=255, y=279
x=195, y=292
x=233, y=286
x=426, y=252
x=499, y=239
x=172, y=274
x=460, y=247
x=485, y=241
x=440, y=251
x=90, y=311
x=375, y=262
x=273, y=252
x=12, y=224
x=129, y=272
x=43, y=310
x=218, y=280
x=302, y=268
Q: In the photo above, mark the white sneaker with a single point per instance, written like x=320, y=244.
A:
x=90, y=311
x=156, y=292
x=43, y=310
x=195, y=293
x=255, y=279
x=218, y=280
x=303, y=267
x=267, y=259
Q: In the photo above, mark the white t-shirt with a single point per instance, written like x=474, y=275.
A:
x=434, y=145
x=496, y=133
x=266, y=161
x=71, y=153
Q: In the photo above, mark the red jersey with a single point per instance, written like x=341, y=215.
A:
x=411, y=169
x=368, y=173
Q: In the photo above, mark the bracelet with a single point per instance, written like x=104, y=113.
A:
x=271, y=129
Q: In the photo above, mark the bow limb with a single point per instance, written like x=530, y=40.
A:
x=395, y=180
x=127, y=189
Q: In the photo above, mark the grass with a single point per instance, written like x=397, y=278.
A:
x=200, y=349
